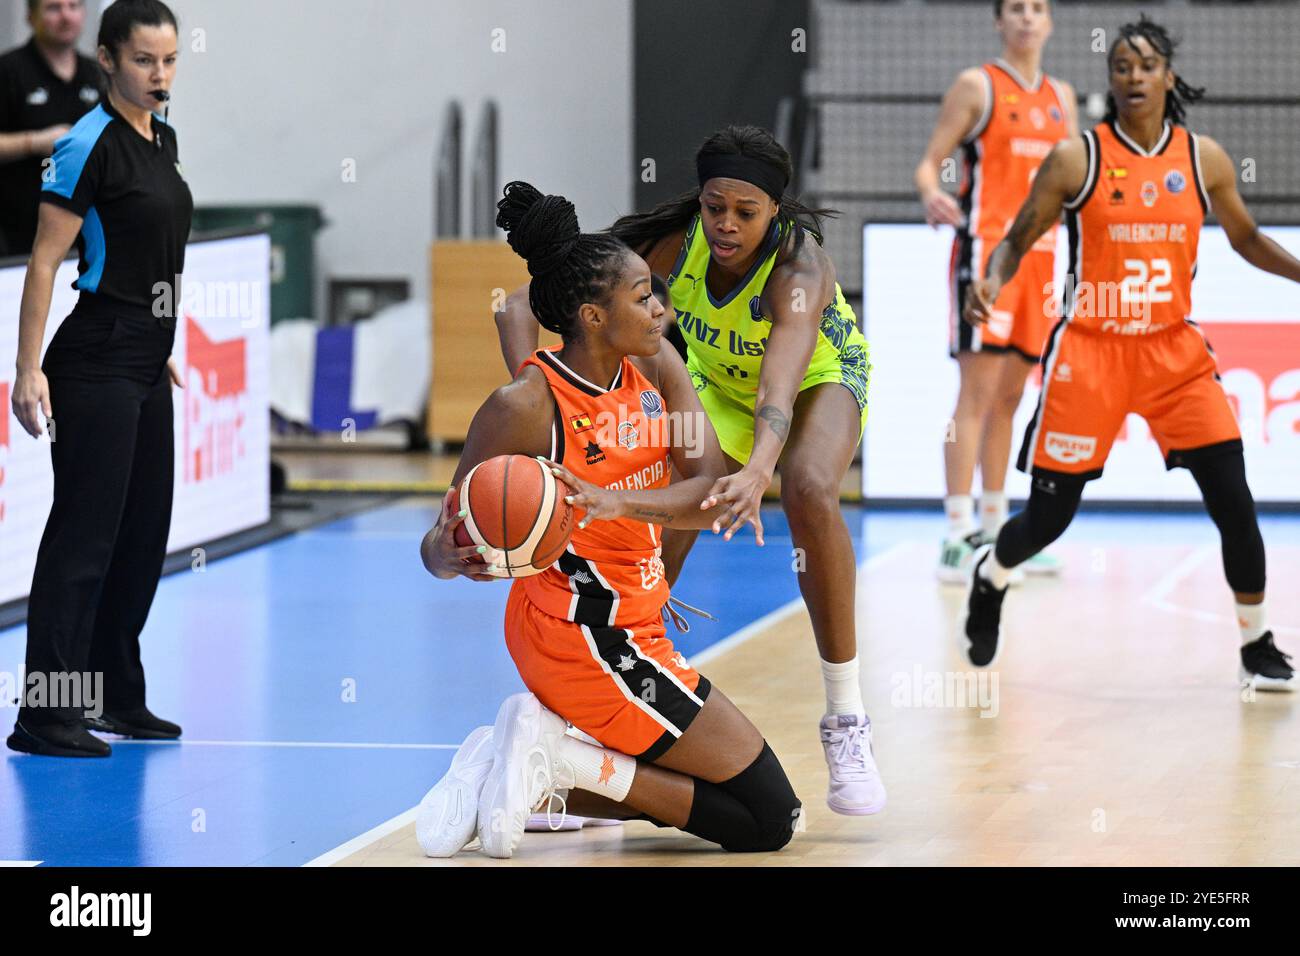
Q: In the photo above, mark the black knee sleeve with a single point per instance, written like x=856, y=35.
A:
x=1222, y=480
x=755, y=811
x=1051, y=507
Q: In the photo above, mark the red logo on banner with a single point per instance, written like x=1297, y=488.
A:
x=216, y=384
x=1259, y=363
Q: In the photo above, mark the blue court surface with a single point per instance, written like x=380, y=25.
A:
x=324, y=681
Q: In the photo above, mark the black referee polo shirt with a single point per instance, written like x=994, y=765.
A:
x=33, y=97
x=135, y=206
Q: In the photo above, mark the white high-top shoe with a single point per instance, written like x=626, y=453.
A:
x=526, y=771
x=856, y=788
x=448, y=813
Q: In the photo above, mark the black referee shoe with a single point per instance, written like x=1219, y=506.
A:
x=56, y=740
x=983, y=615
x=138, y=723
x=1265, y=667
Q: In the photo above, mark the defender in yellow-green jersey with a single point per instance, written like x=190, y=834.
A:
x=726, y=339
x=781, y=370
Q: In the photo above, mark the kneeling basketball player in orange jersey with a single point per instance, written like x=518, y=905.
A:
x=587, y=633
x=1134, y=190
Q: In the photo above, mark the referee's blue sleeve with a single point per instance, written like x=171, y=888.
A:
x=72, y=176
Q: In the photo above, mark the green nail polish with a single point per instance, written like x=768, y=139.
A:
x=482, y=548
x=463, y=513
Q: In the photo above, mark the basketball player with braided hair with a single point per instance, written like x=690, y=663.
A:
x=781, y=367
x=1135, y=190
x=587, y=634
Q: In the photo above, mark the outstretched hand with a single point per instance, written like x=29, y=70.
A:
x=742, y=493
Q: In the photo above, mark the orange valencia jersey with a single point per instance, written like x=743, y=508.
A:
x=1133, y=231
x=1020, y=124
x=611, y=574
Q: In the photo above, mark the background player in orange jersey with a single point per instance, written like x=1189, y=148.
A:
x=587, y=633
x=1005, y=115
x=1135, y=190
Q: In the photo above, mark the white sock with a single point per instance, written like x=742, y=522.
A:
x=994, y=573
x=961, y=515
x=993, y=511
x=1251, y=619
x=843, y=691
x=597, y=769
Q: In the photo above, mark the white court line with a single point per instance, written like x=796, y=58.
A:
x=330, y=857
x=1156, y=597
x=344, y=744
x=4, y=863
x=344, y=850
x=1175, y=575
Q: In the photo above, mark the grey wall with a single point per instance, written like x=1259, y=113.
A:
x=702, y=65
x=272, y=96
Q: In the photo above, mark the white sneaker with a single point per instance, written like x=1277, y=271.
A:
x=526, y=771
x=955, y=557
x=856, y=788
x=448, y=813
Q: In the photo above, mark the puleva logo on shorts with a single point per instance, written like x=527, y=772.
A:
x=651, y=404
x=1069, y=449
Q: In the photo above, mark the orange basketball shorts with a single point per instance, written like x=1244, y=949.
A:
x=1021, y=317
x=626, y=686
x=1093, y=380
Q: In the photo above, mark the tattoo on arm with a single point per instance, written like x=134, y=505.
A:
x=776, y=420
x=650, y=513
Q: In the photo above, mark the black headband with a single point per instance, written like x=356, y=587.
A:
x=745, y=168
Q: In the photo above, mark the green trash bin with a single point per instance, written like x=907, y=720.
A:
x=293, y=231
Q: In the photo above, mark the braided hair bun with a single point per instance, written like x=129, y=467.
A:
x=568, y=267
x=543, y=230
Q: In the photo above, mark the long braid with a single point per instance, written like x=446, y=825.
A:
x=568, y=266
x=1183, y=94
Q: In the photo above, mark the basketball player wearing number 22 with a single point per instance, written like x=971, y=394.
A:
x=1135, y=190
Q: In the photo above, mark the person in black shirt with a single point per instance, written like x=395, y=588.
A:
x=45, y=86
x=115, y=186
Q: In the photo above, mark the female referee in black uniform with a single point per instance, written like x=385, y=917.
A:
x=115, y=187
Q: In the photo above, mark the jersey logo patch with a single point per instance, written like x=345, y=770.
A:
x=1175, y=182
x=594, y=454
x=38, y=97
x=651, y=404
x=627, y=436
x=580, y=423
x=1149, y=194
x=89, y=94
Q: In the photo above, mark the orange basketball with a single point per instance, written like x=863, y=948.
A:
x=516, y=506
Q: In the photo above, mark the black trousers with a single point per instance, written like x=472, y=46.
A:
x=102, y=551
